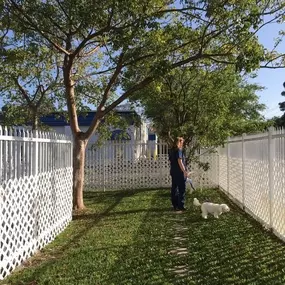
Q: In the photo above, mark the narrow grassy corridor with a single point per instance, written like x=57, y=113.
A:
x=134, y=238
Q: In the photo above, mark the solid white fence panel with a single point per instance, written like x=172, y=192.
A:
x=35, y=192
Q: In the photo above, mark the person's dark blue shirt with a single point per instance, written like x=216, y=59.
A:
x=174, y=155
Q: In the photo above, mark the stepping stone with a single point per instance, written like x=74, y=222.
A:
x=179, y=251
x=179, y=238
x=179, y=228
x=174, y=219
x=179, y=269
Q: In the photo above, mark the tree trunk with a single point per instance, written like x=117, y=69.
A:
x=78, y=171
x=35, y=122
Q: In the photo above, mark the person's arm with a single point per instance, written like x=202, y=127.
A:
x=181, y=165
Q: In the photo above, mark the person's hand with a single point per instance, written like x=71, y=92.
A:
x=185, y=174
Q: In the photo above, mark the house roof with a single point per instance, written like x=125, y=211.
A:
x=58, y=119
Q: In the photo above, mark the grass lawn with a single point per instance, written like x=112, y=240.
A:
x=133, y=237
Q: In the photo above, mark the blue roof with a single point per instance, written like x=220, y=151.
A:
x=57, y=119
x=120, y=135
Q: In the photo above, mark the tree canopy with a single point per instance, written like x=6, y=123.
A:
x=280, y=121
x=204, y=105
x=101, y=43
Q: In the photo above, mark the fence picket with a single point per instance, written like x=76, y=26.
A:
x=41, y=194
x=263, y=176
x=36, y=176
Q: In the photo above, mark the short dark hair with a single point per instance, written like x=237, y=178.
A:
x=176, y=140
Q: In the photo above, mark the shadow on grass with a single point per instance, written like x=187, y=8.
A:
x=132, y=237
x=42, y=261
x=185, y=249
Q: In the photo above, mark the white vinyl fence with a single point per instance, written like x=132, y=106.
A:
x=135, y=165
x=36, y=181
x=127, y=165
x=249, y=169
x=35, y=192
x=252, y=173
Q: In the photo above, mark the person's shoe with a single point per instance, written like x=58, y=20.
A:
x=183, y=209
x=176, y=210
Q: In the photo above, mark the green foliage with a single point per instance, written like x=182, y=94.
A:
x=280, y=121
x=282, y=104
x=205, y=106
x=110, y=49
x=30, y=84
x=145, y=33
x=108, y=42
x=116, y=120
x=20, y=115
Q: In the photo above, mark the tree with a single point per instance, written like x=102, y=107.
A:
x=280, y=121
x=204, y=105
x=30, y=81
x=99, y=41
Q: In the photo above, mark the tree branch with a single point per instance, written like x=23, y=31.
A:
x=30, y=22
x=90, y=52
x=101, y=113
x=23, y=91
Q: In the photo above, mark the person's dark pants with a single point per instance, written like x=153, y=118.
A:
x=178, y=189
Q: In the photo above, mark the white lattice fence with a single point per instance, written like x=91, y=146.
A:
x=134, y=165
x=127, y=165
x=252, y=172
x=209, y=178
x=35, y=193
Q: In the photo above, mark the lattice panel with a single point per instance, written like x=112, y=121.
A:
x=209, y=178
x=278, y=209
x=125, y=174
x=257, y=188
x=144, y=173
x=33, y=210
x=235, y=181
x=223, y=172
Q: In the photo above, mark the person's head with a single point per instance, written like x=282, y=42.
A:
x=178, y=142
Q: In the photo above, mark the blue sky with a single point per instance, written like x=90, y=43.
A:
x=271, y=79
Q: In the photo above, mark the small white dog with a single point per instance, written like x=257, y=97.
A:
x=215, y=209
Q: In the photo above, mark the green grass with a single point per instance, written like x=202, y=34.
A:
x=130, y=237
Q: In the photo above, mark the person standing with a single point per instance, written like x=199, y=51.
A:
x=178, y=175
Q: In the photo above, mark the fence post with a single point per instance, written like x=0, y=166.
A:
x=218, y=166
x=228, y=165
x=270, y=173
x=1, y=157
x=159, y=160
x=35, y=154
x=243, y=169
x=104, y=158
x=134, y=157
